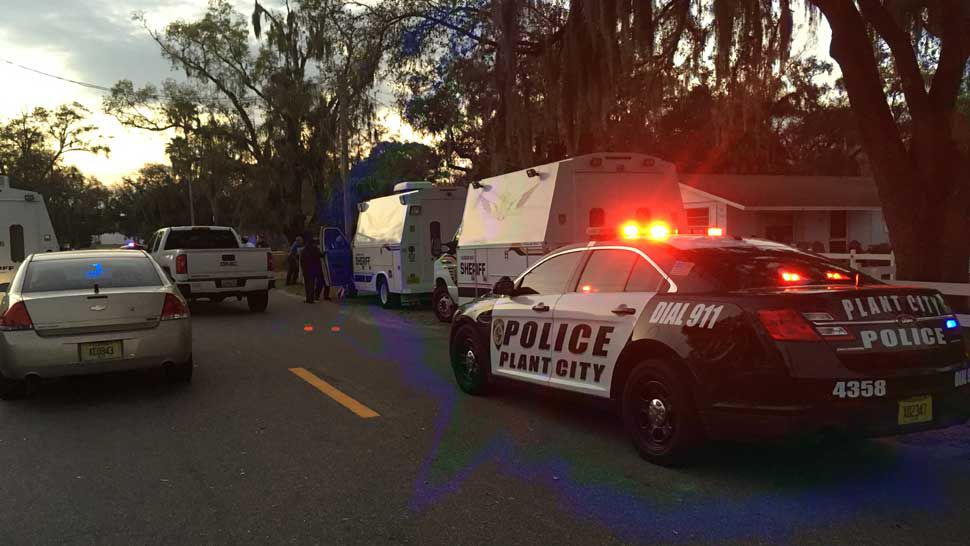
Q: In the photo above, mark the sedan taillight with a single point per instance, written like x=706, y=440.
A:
x=16, y=318
x=787, y=325
x=182, y=264
x=174, y=308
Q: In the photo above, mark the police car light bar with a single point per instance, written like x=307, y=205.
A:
x=658, y=231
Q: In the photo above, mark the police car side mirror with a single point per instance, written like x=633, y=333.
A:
x=504, y=287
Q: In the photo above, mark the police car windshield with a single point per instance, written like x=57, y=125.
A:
x=748, y=266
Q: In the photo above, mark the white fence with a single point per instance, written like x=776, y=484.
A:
x=884, y=268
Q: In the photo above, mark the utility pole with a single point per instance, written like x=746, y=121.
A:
x=191, y=200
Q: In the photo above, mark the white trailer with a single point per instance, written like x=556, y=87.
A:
x=512, y=220
x=25, y=228
x=400, y=236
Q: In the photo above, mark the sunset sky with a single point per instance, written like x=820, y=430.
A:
x=96, y=41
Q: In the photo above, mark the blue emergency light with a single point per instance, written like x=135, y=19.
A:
x=951, y=323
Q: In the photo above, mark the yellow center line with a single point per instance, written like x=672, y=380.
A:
x=361, y=410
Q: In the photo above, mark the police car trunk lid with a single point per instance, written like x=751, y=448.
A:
x=877, y=327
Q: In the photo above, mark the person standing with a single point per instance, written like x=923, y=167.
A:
x=293, y=261
x=312, y=265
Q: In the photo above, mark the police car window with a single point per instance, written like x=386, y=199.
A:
x=606, y=271
x=551, y=276
x=645, y=278
x=752, y=266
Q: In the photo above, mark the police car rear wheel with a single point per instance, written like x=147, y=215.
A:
x=659, y=414
x=443, y=305
x=470, y=361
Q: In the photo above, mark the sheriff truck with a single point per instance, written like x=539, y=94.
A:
x=513, y=220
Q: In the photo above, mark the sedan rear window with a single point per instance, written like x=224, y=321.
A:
x=201, y=239
x=752, y=267
x=83, y=274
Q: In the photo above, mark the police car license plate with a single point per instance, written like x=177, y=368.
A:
x=105, y=350
x=916, y=410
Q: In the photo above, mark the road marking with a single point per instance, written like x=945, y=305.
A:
x=361, y=410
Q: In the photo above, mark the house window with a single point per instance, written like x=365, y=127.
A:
x=698, y=220
x=780, y=228
x=838, y=231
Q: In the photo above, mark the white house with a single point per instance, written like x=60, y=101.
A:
x=821, y=213
x=25, y=227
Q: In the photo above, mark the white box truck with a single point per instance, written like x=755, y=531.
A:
x=512, y=220
x=400, y=236
x=25, y=229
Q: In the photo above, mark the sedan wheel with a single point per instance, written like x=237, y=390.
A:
x=659, y=414
x=469, y=360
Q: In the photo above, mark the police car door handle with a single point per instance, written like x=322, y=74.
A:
x=540, y=308
x=624, y=310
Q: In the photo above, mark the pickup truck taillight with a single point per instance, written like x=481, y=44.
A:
x=269, y=261
x=16, y=318
x=787, y=325
x=174, y=308
x=182, y=264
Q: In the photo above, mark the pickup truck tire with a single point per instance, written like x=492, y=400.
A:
x=659, y=414
x=388, y=300
x=180, y=373
x=443, y=305
x=258, y=301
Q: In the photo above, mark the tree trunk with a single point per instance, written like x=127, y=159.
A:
x=923, y=188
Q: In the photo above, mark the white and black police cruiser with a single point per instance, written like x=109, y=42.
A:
x=703, y=338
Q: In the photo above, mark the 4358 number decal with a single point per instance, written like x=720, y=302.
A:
x=867, y=388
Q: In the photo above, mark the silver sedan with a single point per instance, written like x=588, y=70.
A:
x=72, y=313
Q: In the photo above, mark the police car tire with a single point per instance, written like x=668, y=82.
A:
x=441, y=292
x=658, y=378
x=465, y=339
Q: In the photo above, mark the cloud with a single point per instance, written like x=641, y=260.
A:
x=97, y=38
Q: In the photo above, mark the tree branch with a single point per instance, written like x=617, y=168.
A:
x=955, y=49
x=904, y=53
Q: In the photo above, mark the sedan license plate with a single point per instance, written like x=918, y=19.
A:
x=916, y=410
x=105, y=350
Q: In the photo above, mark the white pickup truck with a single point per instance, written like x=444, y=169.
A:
x=208, y=262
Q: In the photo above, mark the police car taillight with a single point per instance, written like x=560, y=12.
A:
x=787, y=325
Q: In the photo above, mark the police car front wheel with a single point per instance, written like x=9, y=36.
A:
x=659, y=414
x=469, y=360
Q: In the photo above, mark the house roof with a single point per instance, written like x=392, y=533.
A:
x=771, y=192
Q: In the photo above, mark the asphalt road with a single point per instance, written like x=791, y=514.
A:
x=251, y=453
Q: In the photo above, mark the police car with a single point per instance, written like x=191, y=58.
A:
x=702, y=338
